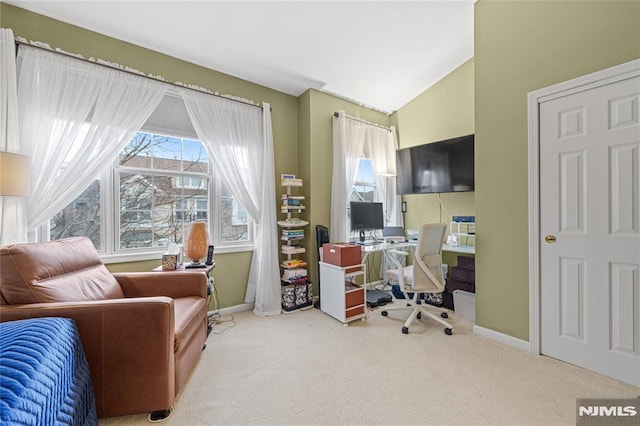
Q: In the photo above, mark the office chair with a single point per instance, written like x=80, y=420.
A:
x=423, y=276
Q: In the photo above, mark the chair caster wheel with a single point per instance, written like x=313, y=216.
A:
x=448, y=331
x=419, y=316
x=405, y=330
x=444, y=315
x=384, y=313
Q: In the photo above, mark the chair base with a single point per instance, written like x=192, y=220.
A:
x=417, y=310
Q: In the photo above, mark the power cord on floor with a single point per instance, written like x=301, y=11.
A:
x=215, y=319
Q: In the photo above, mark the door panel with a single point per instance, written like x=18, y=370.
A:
x=590, y=209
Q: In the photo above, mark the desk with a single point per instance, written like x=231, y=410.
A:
x=384, y=247
x=462, y=249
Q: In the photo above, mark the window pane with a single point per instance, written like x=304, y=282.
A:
x=136, y=195
x=365, y=172
x=365, y=186
x=137, y=153
x=136, y=191
x=167, y=153
x=195, y=157
x=80, y=218
x=167, y=228
x=362, y=193
x=135, y=229
x=233, y=223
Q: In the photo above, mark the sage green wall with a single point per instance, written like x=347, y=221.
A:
x=232, y=268
x=443, y=111
x=316, y=163
x=520, y=47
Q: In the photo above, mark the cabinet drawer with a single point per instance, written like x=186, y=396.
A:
x=354, y=298
x=354, y=311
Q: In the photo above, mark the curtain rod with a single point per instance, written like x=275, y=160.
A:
x=22, y=43
x=336, y=114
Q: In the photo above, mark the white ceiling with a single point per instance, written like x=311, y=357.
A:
x=380, y=54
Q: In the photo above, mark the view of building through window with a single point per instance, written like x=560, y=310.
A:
x=80, y=218
x=365, y=185
x=162, y=186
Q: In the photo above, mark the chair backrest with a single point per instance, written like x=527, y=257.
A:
x=322, y=237
x=428, y=256
x=67, y=270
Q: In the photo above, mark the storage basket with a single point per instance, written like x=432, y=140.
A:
x=296, y=295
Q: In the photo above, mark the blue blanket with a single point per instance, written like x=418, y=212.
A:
x=44, y=375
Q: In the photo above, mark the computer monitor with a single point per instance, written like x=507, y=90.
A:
x=366, y=216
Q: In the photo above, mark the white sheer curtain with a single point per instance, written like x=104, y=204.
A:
x=352, y=140
x=240, y=144
x=75, y=117
x=380, y=147
x=348, y=143
x=13, y=210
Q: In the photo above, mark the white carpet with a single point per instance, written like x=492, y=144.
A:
x=306, y=368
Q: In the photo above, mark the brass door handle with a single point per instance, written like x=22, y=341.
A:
x=550, y=238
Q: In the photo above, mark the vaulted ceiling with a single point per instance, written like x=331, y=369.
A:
x=380, y=54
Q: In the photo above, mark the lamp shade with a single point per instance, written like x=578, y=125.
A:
x=14, y=174
x=197, y=242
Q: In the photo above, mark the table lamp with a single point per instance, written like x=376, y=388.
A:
x=196, y=245
x=14, y=175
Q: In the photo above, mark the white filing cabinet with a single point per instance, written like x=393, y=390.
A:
x=342, y=296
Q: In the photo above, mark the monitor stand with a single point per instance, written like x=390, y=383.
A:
x=362, y=237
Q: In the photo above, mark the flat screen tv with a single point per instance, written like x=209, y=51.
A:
x=443, y=166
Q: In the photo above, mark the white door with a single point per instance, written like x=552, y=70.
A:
x=590, y=226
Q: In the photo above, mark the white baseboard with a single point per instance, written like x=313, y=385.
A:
x=503, y=338
x=233, y=309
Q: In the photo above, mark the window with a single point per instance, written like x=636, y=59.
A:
x=365, y=186
x=161, y=185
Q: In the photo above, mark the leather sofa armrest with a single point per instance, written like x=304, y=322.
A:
x=170, y=284
x=129, y=344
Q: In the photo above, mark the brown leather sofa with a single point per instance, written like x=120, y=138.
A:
x=142, y=332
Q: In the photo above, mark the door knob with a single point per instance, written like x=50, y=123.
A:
x=550, y=238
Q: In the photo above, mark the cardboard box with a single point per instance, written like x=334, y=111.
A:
x=341, y=254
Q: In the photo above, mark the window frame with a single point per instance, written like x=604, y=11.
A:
x=110, y=251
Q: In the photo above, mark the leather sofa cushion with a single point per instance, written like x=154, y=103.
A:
x=67, y=270
x=188, y=319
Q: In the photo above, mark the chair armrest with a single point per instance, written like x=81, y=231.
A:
x=129, y=344
x=170, y=284
x=395, y=262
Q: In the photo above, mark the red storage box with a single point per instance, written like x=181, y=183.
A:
x=341, y=254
